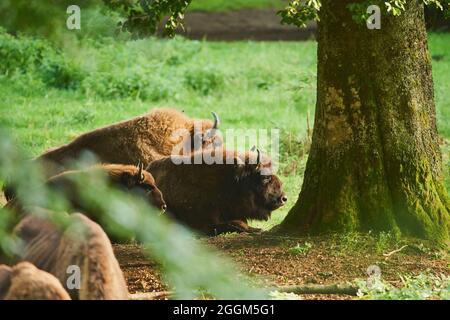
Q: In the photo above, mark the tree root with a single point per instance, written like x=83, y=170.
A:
x=340, y=289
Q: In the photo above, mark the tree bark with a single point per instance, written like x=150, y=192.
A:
x=375, y=162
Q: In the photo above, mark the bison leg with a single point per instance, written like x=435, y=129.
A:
x=80, y=256
x=239, y=226
x=26, y=282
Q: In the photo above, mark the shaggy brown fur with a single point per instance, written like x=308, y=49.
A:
x=26, y=282
x=145, y=139
x=82, y=243
x=218, y=198
x=125, y=177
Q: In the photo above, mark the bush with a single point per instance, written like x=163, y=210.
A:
x=20, y=54
x=204, y=81
x=59, y=74
x=24, y=55
x=131, y=84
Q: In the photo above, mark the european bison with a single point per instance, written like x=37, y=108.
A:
x=80, y=246
x=26, y=282
x=128, y=178
x=133, y=179
x=146, y=138
x=216, y=198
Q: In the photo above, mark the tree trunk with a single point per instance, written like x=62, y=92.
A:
x=375, y=162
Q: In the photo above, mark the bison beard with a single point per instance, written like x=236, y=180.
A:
x=145, y=139
x=219, y=198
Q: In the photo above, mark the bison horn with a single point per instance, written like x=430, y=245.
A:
x=216, y=120
x=140, y=173
x=253, y=149
x=258, y=159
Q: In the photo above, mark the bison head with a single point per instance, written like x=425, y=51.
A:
x=262, y=190
x=204, y=134
x=141, y=182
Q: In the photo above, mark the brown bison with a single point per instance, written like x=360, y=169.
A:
x=128, y=178
x=145, y=139
x=26, y=282
x=78, y=249
x=133, y=179
x=219, y=197
x=152, y=136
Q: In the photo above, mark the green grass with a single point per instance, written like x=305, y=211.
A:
x=251, y=85
x=227, y=5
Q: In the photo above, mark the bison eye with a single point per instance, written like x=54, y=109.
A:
x=147, y=186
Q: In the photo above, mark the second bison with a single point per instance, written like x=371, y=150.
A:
x=222, y=196
x=145, y=138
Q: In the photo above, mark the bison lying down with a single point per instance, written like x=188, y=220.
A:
x=219, y=198
x=26, y=282
x=145, y=138
x=142, y=139
x=125, y=177
x=81, y=243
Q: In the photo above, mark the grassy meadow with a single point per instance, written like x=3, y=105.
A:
x=49, y=96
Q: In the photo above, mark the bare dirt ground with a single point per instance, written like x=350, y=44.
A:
x=248, y=24
x=270, y=259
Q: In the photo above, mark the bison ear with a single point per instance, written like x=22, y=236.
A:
x=244, y=170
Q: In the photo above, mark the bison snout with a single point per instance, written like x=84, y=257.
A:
x=164, y=207
x=283, y=199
